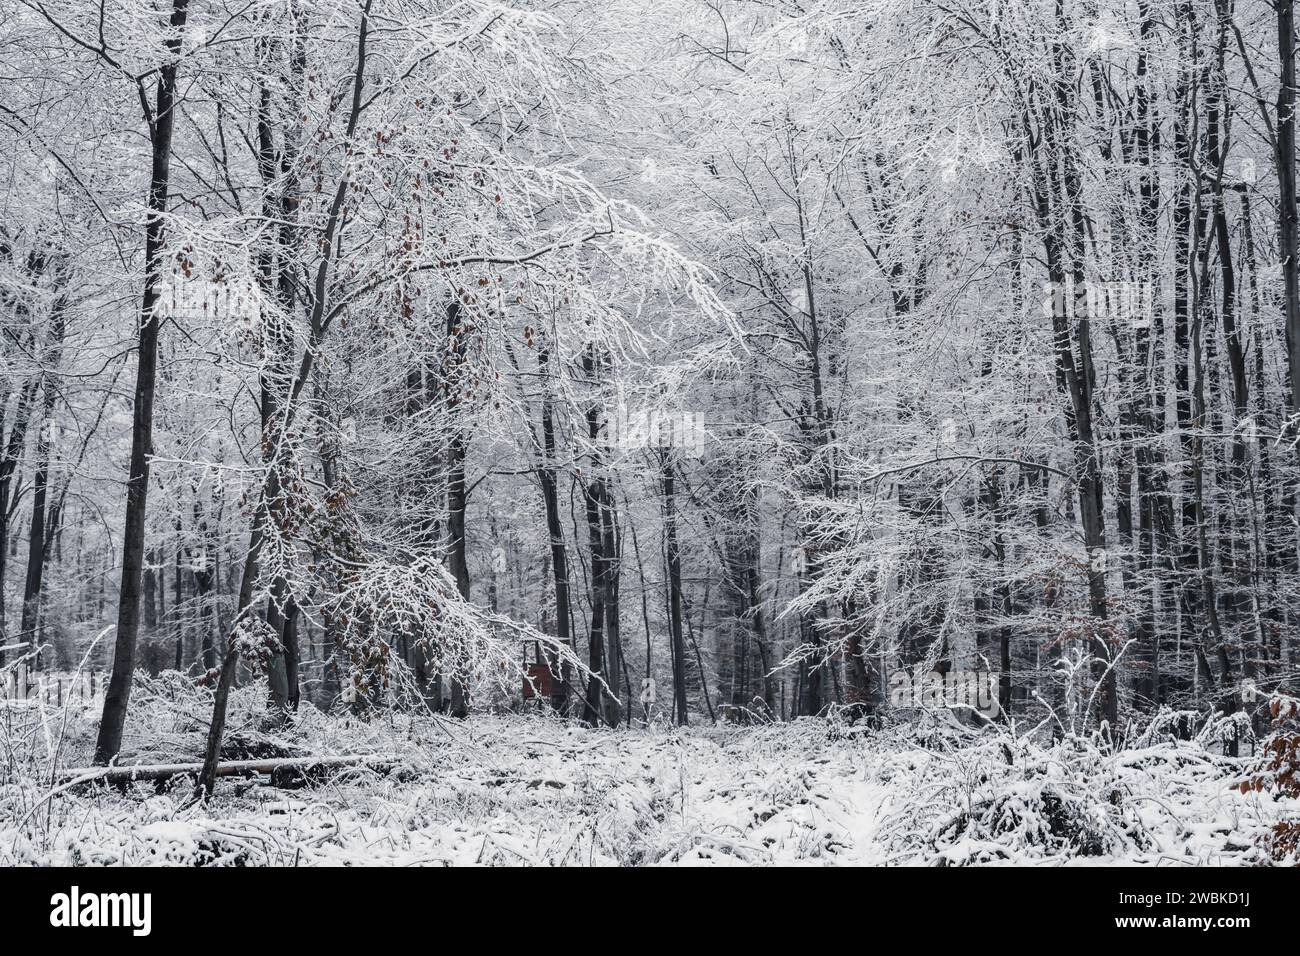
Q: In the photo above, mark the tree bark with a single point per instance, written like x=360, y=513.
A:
x=36, y=550
x=162, y=124
x=306, y=364
x=554, y=528
x=1286, y=179
x=457, y=492
x=676, y=637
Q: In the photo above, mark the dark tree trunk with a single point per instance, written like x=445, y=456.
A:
x=205, y=577
x=178, y=581
x=36, y=546
x=109, y=741
x=676, y=637
x=593, y=710
x=613, y=634
x=457, y=491
x=36, y=538
x=1147, y=421
x=13, y=451
x=306, y=364
x=279, y=205
x=150, y=588
x=554, y=529
x=601, y=699
x=1186, y=243
x=1287, y=215
x=1058, y=203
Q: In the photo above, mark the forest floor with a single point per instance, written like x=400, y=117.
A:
x=530, y=789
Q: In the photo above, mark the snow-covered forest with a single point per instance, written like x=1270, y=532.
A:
x=561, y=431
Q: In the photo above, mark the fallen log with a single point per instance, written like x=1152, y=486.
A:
x=229, y=768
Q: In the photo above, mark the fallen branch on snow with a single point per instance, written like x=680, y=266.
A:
x=229, y=768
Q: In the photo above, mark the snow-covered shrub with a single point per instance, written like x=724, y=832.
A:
x=1277, y=774
x=1008, y=798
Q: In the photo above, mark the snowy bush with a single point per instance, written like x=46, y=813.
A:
x=1277, y=775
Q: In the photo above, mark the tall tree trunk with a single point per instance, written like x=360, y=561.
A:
x=1289, y=240
x=161, y=125
x=36, y=550
x=12, y=452
x=306, y=364
x=203, y=568
x=457, y=493
x=554, y=528
x=1058, y=203
x=1147, y=366
x=178, y=581
x=593, y=708
x=275, y=261
x=610, y=541
x=602, y=684
x=1287, y=214
x=150, y=587
x=676, y=637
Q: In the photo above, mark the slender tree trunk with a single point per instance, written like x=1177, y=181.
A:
x=457, y=493
x=13, y=451
x=162, y=123
x=1058, y=202
x=150, y=587
x=593, y=710
x=603, y=682
x=203, y=569
x=676, y=638
x=306, y=365
x=36, y=550
x=554, y=529
x=1288, y=230
x=275, y=262
x=613, y=634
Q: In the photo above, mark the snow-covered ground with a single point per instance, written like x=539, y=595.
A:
x=516, y=789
